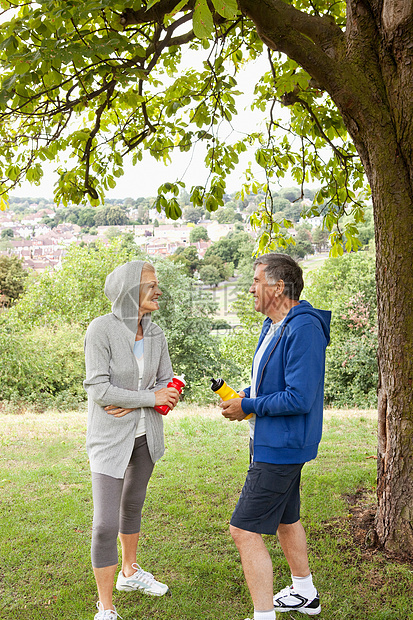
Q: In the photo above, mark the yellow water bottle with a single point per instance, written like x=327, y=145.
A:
x=225, y=392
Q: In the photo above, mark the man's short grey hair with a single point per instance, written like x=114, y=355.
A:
x=283, y=267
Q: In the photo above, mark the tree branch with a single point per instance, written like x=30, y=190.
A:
x=86, y=156
x=313, y=42
x=291, y=99
x=155, y=14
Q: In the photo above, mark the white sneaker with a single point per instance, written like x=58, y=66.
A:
x=289, y=600
x=141, y=580
x=106, y=614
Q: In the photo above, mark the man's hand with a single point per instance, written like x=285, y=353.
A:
x=231, y=409
x=118, y=412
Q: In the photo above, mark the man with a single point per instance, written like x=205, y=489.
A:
x=286, y=396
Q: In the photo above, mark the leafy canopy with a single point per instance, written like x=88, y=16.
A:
x=93, y=82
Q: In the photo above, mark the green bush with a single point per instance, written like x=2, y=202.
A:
x=346, y=286
x=186, y=316
x=351, y=373
x=201, y=393
x=239, y=346
x=220, y=324
x=43, y=365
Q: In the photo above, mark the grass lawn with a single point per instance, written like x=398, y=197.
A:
x=314, y=261
x=224, y=295
x=46, y=513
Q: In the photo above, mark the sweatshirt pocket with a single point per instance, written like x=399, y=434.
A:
x=272, y=432
x=296, y=431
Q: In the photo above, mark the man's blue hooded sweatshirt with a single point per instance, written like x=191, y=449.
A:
x=290, y=388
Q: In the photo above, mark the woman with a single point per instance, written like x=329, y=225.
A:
x=127, y=371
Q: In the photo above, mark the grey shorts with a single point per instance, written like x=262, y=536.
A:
x=270, y=496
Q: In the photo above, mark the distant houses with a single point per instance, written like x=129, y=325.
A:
x=42, y=247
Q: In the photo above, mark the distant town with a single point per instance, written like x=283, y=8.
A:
x=39, y=232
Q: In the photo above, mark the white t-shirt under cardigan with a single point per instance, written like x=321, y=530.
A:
x=138, y=350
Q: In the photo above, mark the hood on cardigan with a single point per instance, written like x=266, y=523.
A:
x=122, y=288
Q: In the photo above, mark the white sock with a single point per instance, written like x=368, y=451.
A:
x=264, y=615
x=304, y=586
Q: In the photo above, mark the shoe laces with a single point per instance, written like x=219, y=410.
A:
x=108, y=614
x=143, y=574
x=288, y=591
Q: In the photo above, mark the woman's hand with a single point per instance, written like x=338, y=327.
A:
x=118, y=412
x=167, y=396
x=164, y=396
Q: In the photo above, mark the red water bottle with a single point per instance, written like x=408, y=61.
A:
x=178, y=383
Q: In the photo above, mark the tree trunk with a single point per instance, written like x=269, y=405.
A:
x=382, y=131
x=393, y=209
x=389, y=173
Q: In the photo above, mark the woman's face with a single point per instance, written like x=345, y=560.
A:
x=149, y=292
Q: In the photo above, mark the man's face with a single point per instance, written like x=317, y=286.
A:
x=265, y=295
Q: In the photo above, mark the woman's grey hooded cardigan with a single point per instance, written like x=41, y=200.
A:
x=112, y=376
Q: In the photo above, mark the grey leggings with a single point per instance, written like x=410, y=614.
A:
x=118, y=504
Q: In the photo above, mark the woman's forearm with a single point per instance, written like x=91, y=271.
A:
x=103, y=393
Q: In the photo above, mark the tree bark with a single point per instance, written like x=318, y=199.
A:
x=368, y=73
x=383, y=134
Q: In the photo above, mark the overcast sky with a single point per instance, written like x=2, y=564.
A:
x=145, y=178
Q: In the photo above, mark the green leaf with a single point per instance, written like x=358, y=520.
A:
x=21, y=67
x=202, y=21
x=34, y=173
x=10, y=42
x=211, y=204
x=196, y=196
x=177, y=8
x=226, y=8
x=9, y=82
x=336, y=249
x=173, y=210
x=330, y=221
x=13, y=172
x=263, y=241
x=151, y=4
x=261, y=158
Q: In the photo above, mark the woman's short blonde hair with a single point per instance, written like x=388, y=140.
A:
x=148, y=267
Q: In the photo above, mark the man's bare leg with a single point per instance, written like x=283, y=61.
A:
x=293, y=542
x=257, y=566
